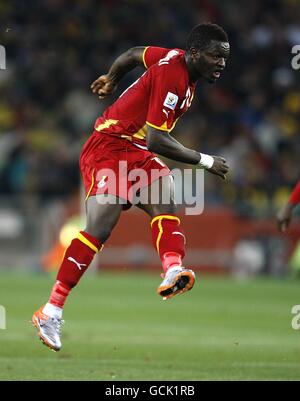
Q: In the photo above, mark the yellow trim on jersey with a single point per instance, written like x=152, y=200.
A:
x=91, y=187
x=144, y=57
x=174, y=123
x=160, y=227
x=88, y=243
x=164, y=126
x=161, y=128
x=141, y=134
x=106, y=124
x=128, y=137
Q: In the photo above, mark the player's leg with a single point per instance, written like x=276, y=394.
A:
x=168, y=237
x=101, y=219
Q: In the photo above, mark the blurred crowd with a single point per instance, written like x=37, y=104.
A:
x=56, y=48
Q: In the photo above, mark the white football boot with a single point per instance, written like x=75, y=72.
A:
x=49, y=329
x=177, y=280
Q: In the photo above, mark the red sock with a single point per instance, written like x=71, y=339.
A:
x=168, y=239
x=76, y=260
x=59, y=294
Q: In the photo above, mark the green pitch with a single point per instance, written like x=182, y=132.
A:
x=117, y=328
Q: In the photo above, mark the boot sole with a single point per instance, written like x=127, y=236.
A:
x=183, y=282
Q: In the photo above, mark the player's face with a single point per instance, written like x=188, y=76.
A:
x=209, y=63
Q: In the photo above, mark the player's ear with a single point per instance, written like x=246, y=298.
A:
x=194, y=52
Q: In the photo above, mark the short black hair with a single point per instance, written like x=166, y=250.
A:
x=201, y=36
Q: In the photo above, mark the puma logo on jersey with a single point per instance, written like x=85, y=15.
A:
x=79, y=265
x=166, y=113
x=171, y=100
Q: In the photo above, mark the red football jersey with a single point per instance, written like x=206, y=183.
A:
x=158, y=98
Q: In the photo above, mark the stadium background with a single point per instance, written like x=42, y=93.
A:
x=56, y=48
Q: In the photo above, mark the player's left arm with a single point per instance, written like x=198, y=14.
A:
x=162, y=143
x=127, y=61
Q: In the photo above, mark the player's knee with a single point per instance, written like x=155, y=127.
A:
x=100, y=233
x=164, y=209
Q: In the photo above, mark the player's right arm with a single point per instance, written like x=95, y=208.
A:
x=162, y=143
x=127, y=61
x=285, y=214
x=139, y=56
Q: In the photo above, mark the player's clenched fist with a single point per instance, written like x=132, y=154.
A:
x=103, y=86
x=219, y=167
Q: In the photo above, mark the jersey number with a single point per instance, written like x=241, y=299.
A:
x=187, y=100
x=168, y=57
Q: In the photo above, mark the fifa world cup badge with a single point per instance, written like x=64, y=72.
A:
x=171, y=100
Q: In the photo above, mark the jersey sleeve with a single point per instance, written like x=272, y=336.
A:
x=163, y=99
x=153, y=54
x=295, y=195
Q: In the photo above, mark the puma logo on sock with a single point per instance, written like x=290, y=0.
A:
x=79, y=265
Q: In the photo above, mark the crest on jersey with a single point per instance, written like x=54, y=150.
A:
x=171, y=100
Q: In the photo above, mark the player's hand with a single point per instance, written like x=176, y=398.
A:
x=284, y=217
x=219, y=167
x=103, y=86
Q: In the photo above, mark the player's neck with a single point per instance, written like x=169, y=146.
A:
x=193, y=74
